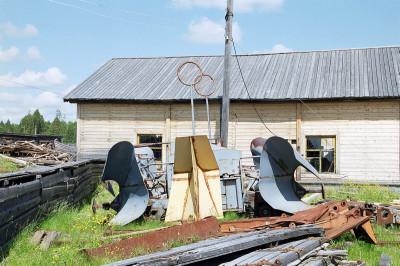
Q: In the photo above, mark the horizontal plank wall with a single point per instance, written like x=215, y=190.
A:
x=367, y=137
x=367, y=133
x=103, y=125
x=245, y=125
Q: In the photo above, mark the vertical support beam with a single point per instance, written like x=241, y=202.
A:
x=227, y=64
x=78, y=130
x=167, y=134
x=298, y=136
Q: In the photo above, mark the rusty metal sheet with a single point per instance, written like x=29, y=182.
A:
x=196, y=188
x=334, y=217
x=159, y=240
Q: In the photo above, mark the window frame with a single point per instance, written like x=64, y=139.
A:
x=153, y=147
x=322, y=150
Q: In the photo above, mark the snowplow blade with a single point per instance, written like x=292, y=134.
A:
x=121, y=167
x=196, y=188
x=277, y=165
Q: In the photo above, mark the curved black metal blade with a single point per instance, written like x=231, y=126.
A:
x=119, y=162
x=277, y=186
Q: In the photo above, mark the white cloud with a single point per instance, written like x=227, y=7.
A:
x=238, y=6
x=210, y=32
x=8, y=55
x=277, y=48
x=34, y=53
x=13, y=31
x=15, y=106
x=52, y=77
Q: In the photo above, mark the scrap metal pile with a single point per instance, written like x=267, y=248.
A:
x=203, y=180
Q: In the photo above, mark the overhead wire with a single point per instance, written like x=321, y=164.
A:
x=30, y=86
x=133, y=12
x=248, y=93
x=110, y=17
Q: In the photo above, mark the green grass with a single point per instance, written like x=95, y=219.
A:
x=362, y=192
x=87, y=231
x=6, y=166
x=358, y=248
x=80, y=225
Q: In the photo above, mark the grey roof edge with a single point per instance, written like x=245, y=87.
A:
x=258, y=54
x=215, y=100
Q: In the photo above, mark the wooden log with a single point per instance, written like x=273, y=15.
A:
x=15, y=201
x=14, y=160
x=47, y=207
x=9, y=230
x=55, y=192
x=18, y=210
x=8, y=193
x=53, y=179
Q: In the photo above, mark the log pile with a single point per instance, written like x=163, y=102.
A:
x=35, y=154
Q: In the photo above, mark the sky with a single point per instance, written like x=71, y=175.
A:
x=48, y=47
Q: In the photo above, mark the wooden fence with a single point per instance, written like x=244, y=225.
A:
x=31, y=194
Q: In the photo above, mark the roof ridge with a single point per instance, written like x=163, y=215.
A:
x=259, y=54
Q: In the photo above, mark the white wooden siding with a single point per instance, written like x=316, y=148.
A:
x=367, y=133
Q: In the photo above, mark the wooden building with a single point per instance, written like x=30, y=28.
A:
x=340, y=108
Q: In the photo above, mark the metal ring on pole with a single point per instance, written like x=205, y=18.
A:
x=203, y=85
x=196, y=67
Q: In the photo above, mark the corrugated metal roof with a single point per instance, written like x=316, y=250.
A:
x=350, y=73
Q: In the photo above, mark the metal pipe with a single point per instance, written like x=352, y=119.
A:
x=191, y=101
x=208, y=119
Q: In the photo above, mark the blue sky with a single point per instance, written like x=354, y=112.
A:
x=47, y=47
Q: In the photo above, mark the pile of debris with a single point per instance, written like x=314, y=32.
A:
x=26, y=152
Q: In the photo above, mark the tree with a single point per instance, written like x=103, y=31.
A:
x=57, y=127
x=38, y=123
x=70, y=135
x=26, y=124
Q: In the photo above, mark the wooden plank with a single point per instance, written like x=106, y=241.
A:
x=15, y=211
x=53, y=179
x=47, y=207
x=9, y=230
x=209, y=249
x=56, y=191
x=10, y=203
x=48, y=238
x=8, y=193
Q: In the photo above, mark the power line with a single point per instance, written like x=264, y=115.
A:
x=30, y=86
x=251, y=100
x=110, y=17
x=133, y=12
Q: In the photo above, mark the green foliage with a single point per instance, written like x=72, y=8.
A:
x=35, y=124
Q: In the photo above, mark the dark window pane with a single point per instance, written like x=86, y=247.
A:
x=157, y=154
x=157, y=149
x=312, y=154
x=313, y=143
x=314, y=162
x=327, y=161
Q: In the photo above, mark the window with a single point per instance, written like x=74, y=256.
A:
x=321, y=153
x=157, y=149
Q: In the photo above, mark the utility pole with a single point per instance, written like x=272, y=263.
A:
x=227, y=65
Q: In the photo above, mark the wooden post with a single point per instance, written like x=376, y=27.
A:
x=227, y=64
x=298, y=136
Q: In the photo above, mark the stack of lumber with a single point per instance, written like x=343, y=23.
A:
x=35, y=154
